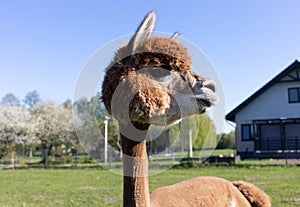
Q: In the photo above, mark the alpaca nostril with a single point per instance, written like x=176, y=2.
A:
x=210, y=84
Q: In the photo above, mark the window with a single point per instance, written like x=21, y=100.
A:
x=294, y=95
x=246, y=132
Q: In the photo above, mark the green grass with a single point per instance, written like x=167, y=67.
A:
x=102, y=188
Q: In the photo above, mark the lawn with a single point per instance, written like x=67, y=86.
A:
x=96, y=187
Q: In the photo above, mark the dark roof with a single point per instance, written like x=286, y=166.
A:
x=231, y=115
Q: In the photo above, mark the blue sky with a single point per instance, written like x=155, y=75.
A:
x=44, y=44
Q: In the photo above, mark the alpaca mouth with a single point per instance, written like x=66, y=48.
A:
x=203, y=105
x=205, y=94
x=206, y=100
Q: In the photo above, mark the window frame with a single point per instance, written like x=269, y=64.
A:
x=249, y=131
x=298, y=94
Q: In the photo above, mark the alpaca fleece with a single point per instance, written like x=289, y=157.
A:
x=209, y=192
x=137, y=98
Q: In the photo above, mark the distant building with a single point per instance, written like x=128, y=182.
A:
x=268, y=122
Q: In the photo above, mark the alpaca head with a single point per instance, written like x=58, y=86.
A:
x=150, y=81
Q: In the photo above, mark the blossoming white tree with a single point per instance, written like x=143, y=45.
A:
x=47, y=124
x=54, y=125
x=16, y=127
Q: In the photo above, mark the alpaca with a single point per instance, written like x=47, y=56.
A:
x=150, y=81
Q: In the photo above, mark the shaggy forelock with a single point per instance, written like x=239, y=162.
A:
x=156, y=51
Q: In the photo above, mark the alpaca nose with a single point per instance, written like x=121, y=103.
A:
x=212, y=85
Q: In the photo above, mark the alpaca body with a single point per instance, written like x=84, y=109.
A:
x=208, y=192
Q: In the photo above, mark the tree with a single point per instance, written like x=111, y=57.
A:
x=203, y=131
x=32, y=98
x=16, y=128
x=54, y=125
x=206, y=137
x=67, y=104
x=89, y=116
x=227, y=141
x=10, y=99
x=48, y=124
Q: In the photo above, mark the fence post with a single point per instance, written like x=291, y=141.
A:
x=190, y=144
x=76, y=157
x=46, y=157
x=12, y=160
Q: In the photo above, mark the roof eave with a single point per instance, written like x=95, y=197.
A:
x=231, y=115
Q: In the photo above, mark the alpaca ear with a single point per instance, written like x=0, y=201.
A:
x=175, y=36
x=143, y=32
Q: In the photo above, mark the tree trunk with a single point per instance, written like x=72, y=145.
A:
x=46, y=152
x=135, y=171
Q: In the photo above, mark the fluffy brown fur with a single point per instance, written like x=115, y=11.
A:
x=156, y=52
x=254, y=195
x=136, y=98
x=209, y=192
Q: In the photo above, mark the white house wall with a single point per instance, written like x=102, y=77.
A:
x=272, y=104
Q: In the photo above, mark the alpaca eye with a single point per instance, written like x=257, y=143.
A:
x=159, y=72
x=197, y=87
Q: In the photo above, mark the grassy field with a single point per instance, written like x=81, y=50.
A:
x=101, y=188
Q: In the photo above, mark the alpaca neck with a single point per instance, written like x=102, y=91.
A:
x=135, y=172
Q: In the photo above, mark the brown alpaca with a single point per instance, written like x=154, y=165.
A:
x=150, y=81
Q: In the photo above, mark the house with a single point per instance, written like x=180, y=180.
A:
x=268, y=122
